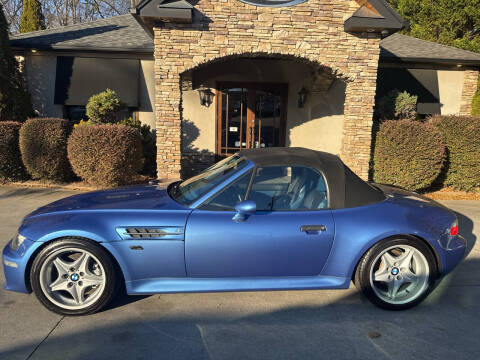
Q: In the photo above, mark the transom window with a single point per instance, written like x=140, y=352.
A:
x=275, y=188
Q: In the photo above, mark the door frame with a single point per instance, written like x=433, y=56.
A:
x=282, y=88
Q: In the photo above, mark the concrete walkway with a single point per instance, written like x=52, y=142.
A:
x=266, y=325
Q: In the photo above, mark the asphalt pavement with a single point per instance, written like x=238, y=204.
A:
x=261, y=325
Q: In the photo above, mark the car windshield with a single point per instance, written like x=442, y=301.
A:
x=189, y=191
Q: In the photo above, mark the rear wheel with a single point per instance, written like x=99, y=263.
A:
x=397, y=274
x=74, y=277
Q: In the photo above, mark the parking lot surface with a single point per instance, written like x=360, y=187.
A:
x=261, y=325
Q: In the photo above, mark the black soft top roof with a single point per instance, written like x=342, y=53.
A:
x=346, y=189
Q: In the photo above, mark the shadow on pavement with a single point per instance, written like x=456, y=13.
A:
x=17, y=192
x=466, y=226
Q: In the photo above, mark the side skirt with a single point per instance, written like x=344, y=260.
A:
x=186, y=285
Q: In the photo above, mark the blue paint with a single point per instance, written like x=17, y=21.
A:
x=209, y=251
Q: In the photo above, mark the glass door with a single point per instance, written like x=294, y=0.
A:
x=250, y=116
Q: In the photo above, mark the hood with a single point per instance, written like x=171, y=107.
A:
x=147, y=197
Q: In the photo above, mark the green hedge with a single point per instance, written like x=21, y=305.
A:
x=43, y=144
x=476, y=101
x=461, y=134
x=11, y=165
x=106, y=155
x=408, y=154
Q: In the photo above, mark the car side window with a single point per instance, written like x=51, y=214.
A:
x=230, y=196
x=283, y=188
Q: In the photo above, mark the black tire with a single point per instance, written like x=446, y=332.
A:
x=111, y=274
x=362, y=274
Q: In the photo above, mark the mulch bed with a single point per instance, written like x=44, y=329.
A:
x=450, y=194
x=72, y=186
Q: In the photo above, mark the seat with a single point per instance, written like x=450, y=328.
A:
x=315, y=200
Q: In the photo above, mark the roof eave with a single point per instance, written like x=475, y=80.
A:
x=374, y=25
x=144, y=51
x=422, y=60
x=389, y=20
x=176, y=11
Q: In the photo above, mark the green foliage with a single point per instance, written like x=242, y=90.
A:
x=43, y=144
x=408, y=154
x=15, y=102
x=104, y=108
x=397, y=105
x=476, y=101
x=149, y=145
x=448, y=22
x=11, y=165
x=106, y=155
x=461, y=134
x=32, y=18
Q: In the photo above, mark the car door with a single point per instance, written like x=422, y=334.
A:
x=290, y=234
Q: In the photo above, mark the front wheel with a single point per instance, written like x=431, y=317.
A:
x=397, y=274
x=74, y=277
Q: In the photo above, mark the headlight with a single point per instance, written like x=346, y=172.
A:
x=17, y=241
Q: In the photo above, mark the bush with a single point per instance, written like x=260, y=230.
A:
x=461, y=134
x=43, y=143
x=104, y=108
x=476, y=101
x=149, y=146
x=397, y=105
x=408, y=154
x=11, y=165
x=106, y=155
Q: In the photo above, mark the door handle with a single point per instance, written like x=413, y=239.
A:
x=313, y=229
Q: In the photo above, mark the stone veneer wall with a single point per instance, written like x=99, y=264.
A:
x=470, y=85
x=311, y=31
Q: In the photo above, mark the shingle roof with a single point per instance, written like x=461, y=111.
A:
x=124, y=33
x=118, y=33
x=398, y=47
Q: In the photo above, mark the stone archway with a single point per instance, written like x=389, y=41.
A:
x=225, y=29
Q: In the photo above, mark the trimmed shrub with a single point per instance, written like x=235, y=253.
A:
x=476, y=101
x=106, y=155
x=11, y=165
x=408, y=154
x=149, y=146
x=43, y=144
x=397, y=105
x=104, y=108
x=461, y=134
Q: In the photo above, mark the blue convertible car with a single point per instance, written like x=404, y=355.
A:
x=269, y=219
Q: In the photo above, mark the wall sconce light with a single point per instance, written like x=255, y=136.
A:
x=302, y=97
x=206, y=96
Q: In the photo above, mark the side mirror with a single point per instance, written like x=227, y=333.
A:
x=244, y=210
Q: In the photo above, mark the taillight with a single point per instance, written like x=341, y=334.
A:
x=454, y=230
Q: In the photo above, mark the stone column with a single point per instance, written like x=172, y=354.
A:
x=470, y=85
x=167, y=107
x=359, y=108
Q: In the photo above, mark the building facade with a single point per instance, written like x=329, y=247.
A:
x=212, y=77
x=256, y=58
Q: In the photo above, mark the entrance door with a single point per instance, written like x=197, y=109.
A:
x=250, y=115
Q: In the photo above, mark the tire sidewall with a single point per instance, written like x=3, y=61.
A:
x=363, y=271
x=111, y=285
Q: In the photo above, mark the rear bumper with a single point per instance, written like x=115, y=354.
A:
x=453, y=255
x=15, y=264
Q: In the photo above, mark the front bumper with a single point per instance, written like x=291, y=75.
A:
x=15, y=264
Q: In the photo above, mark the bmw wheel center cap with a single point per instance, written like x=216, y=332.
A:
x=74, y=277
x=395, y=271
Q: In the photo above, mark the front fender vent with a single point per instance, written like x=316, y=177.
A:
x=151, y=233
